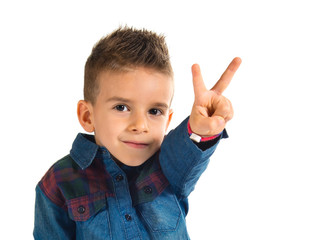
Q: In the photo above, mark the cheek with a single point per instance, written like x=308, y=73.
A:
x=105, y=119
x=160, y=130
x=113, y=129
x=107, y=127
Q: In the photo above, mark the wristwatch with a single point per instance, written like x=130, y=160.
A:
x=195, y=137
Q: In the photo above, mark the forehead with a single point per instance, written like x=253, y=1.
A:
x=137, y=83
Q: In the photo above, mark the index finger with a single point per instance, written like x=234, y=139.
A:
x=227, y=76
x=198, y=83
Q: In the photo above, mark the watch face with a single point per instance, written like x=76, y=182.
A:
x=195, y=137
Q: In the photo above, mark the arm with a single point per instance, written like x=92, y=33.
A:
x=181, y=160
x=51, y=221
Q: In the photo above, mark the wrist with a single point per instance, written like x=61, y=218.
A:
x=198, y=138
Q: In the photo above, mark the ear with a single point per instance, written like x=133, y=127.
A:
x=84, y=113
x=170, y=115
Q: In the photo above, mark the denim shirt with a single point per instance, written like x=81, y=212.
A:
x=86, y=195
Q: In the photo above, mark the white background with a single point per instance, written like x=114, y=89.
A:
x=267, y=181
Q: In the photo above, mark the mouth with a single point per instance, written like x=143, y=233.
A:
x=137, y=145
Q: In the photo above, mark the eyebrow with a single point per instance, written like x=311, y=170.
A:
x=117, y=99
x=125, y=100
x=162, y=105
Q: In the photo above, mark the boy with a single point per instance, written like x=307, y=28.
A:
x=129, y=180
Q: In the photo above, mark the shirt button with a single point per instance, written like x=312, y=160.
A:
x=128, y=217
x=119, y=178
x=147, y=190
x=81, y=209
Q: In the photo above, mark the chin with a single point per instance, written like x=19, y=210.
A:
x=136, y=163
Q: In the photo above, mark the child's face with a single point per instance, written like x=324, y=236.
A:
x=132, y=113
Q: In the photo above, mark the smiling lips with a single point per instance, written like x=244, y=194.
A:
x=136, y=144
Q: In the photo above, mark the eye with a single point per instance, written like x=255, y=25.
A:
x=155, y=111
x=121, y=108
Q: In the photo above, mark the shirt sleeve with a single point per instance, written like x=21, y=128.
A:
x=51, y=221
x=182, y=161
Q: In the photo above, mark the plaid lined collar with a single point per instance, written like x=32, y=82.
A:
x=81, y=179
x=84, y=150
x=150, y=183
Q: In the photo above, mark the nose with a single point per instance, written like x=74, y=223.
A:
x=138, y=123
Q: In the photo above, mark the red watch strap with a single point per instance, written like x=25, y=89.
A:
x=202, y=139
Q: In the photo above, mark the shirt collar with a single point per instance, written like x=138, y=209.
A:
x=84, y=150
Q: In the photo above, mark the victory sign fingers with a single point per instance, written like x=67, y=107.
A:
x=211, y=110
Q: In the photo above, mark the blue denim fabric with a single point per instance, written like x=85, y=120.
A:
x=182, y=163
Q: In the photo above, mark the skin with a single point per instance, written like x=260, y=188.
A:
x=211, y=110
x=132, y=111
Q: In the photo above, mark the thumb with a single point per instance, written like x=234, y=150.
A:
x=216, y=124
x=207, y=126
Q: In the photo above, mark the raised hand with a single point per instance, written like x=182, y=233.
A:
x=211, y=110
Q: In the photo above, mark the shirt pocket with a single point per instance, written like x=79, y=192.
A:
x=90, y=213
x=84, y=207
x=161, y=214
